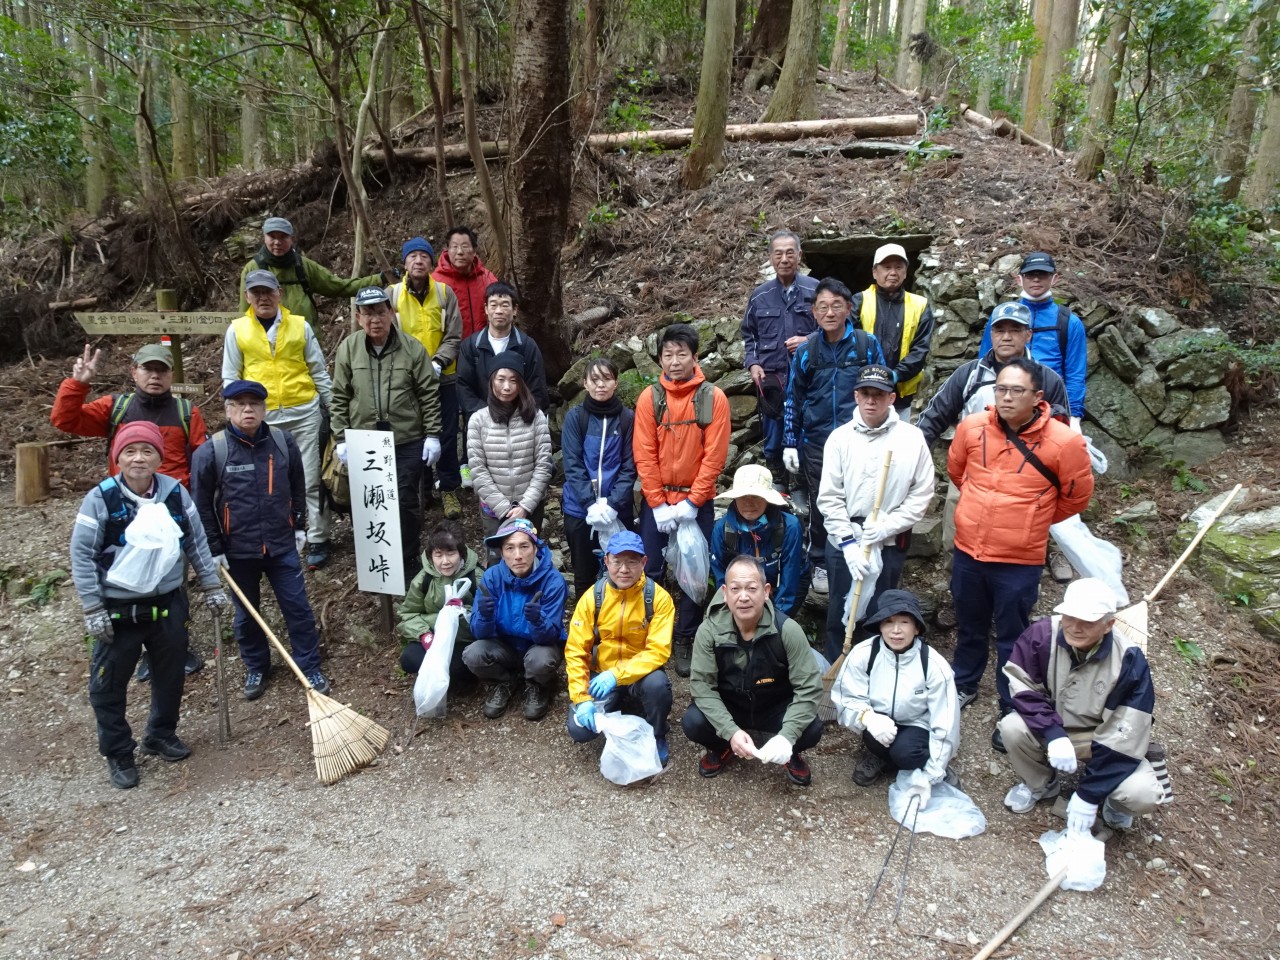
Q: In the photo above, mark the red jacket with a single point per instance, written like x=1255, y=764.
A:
x=1006, y=505
x=469, y=290
x=682, y=455
x=72, y=415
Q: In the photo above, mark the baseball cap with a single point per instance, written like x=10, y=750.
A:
x=1015, y=311
x=624, y=541
x=1088, y=599
x=874, y=375
x=261, y=278
x=1033, y=262
x=277, y=225
x=514, y=526
x=753, y=480
x=368, y=296
x=154, y=353
x=887, y=251
x=238, y=388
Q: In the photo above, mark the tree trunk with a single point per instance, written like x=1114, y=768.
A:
x=706, y=155
x=446, y=66
x=906, y=13
x=1260, y=188
x=253, y=142
x=499, y=260
x=95, y=136
x=917, y=25
x=376, y=60
x=539, y=173
x=882, y=21
x=1062, y=38
x=184, y=132
x=1233, y=150
x=840, y=47
x=141, y=132
x=1107, y=70
x=442, y=183
x=1033, y=87
x=584, y=104
x=794, y=97
x=766, y=45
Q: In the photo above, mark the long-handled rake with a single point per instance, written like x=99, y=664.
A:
x=342, y=740
x=906, y=862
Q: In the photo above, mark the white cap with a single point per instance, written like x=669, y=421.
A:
x=1088, y=599
x=753, y=480
x=889, y=250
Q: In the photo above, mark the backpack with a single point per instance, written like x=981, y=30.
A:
x=924, y=657
x=778, y=530
x=704, y=399
x=120, y=406
x=219, y=441
x=1064, y=318
x=118, y=511
x=860, y=356
x=649, y=588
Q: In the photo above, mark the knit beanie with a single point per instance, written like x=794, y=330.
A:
x=136, y=431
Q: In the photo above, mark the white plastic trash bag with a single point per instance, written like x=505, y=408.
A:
x=1081, y=854
x=687, y=553
x=630, y=749
x=152, y=543
x=1097, y=458
x=431, y=688
x=876, y=564
x=949, y=813
x=1090, y=555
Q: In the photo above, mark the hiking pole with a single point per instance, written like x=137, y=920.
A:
x=220, y=682
x=902, y=885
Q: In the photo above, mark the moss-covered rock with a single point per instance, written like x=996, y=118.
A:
x=630, y=385
x=1240, y=557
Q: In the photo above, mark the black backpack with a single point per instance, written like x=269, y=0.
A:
x=777, y=533
x=875, y=652
x=118, y=517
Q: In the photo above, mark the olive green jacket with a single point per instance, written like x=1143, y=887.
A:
x=398, y=387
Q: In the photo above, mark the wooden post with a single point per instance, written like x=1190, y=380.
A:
x=167, y=300
x=31, y=477
x=388, y=615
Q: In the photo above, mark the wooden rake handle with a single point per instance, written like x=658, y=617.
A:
x=866, y=551
x=302, y=677
x=1052, y=884
x=1200, y=535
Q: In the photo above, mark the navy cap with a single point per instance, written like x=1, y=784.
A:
x=874, y=375
x=277, y=225
x=1041, y=262
x=238, y=388
x=624, y=541
x=261, y=278
x=417, y=243
x=368, y=296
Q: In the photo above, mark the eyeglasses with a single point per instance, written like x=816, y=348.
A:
x=618, y=562
x=1002, y=391
x=822, y=309
x=247, y=404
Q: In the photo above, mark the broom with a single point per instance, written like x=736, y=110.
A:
x=833, y=671
x=342, y=740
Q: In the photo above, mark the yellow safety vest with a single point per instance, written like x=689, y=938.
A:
x=284, y=373
x=913, y=307
x=424, y=321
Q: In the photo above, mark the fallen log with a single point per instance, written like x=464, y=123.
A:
x=1006, y=128
x=81, y=304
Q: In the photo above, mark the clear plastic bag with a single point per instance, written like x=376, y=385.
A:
x=630, y=749
x=949, y=813
x=1082, y=855
x=152, y=544
x=431, y=688
x=687, y=553
x=1091, y=555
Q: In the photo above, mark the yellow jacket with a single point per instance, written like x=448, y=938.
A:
x=629, y=647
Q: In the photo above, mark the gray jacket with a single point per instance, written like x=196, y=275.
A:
x=511, y=463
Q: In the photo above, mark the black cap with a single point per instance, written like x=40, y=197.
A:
x=1041, y=262
x=877, y=376
x=896, y=601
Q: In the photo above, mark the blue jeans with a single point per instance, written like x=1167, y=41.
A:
x=688, y=611
x=984, y=594
x=284, y=573
x=648, y=697
x=446, y=468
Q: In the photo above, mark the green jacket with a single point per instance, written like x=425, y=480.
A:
x=718, y=640
x=417, y=613
x=397, y=386
x=320, y=281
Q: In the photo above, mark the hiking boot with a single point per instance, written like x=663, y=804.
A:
x=1022, y=799
x=820, y=581
x=465, y=472
x=168, y=749
x=255, y=684
x=499, y=699
x=452, y=507
x=1113, y=818
x=682, y=654
x=194, y=664
x=797, y=770
x=868, y=768
x=144, y=669
x=713, y=762
x=952, y=779
x=123, y=771
x=664, y=752
x=945, y=618
x=779, y=474
x=1060, y=568
x=537, y=700
x=317, y=555
x=319, y=682
x=966, y=696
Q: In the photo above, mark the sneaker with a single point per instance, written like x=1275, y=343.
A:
x=797, y=770
x=144, y=669
x=465, y=470
x=1022, y=799
x=255, y=684
x=682, y=650
x=868, y=768
x=820, y=581
x=537, y=700
x=317, y=555
x=945, y=618
x=319, y=682
x=123, y=771
x=452, y=507
x=499, y=699
x=194, y=663
x=713, y=762
x=952, y=779
x=168, y=749
x=1114, y=818
x=1060, y=568
x=966, y=696
x=664, y=752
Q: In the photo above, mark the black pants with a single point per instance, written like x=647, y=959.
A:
x=409, y=468
x=165, y=640
x=698, y=729
x=909, y=750
x=413, y=654
x=689, y=612
x=811, y=467
x=582, y=554
x=840, y=582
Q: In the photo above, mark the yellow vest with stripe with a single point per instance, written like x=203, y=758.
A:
x=424, y=321
x=913, y=307
x=284, y=373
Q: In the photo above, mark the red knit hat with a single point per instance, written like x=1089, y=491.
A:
x=136, y=431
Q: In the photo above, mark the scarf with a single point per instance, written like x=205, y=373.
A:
x=267, y=259
x=611, y=408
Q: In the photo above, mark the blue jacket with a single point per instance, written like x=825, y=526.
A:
x=580, y=440
x=253, y=508
x=784, y=563
x=770, y=321
x=1044, y=348
x=820, y=392
x=512, y=593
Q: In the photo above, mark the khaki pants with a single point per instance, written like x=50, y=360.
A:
x=306, y=434
x=1137, y=794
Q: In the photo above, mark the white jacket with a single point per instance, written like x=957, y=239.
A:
x=898, y=688
x=851, y=465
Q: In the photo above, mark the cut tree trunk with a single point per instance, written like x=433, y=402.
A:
x=1004, y=128
x=1101, y=111
x=795, y=96
x=706, y=152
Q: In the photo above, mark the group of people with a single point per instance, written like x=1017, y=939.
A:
x=440, y=347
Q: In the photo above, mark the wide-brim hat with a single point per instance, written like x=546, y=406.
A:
x=894, y=602
x=753, y=480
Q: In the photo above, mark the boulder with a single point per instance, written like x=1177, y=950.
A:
x=1176, y=403
x=1142, y=510
x=1209, y=408
x=1150, y=390
x=728, y=329
x=1197, y=370
x=631, y=384
x=1092, y=356
x=1240, y=557
x=926, y=538
x=736, y=382
x=735, y=352
x=1117, y=408
x=1181, y=446
x=950, y=285
x=1133, y=335
x=969, y=310
x=741, y=408
x=1155, y=322
x=646, y=366
x=623, y=353
x=1009, y=264
x=1094, y=314
x=706, y=337
x=570, y=384
x=951, y=339
x=714, y=366
x=1117, y=355
x=989, y=290
x=1164, y=350
x=651, y=345
x=747, y=435
x=1118, y=466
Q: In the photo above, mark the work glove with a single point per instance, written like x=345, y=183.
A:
x=426, y=639
x=97, y=624
x=882, y=729
x=430, y=451
x=436, y=369
x=775, y=750
x=918, y=786
x=390, y=275
x=664, y=518
x=1062, y=755
x=602, y=684
x=859, y=566
x=300, y=540
x=487, y=606
x=585, y=715
x=791, y=459
x=876, y=531
x=220, y=560
x=1080, y=814
x=216, y=600
x=1075, y=424
x=685, y=512
x=600, y=514
x=340, y=451
x=533, y=612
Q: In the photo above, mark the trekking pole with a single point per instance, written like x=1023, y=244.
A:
x=220, y=682
x=889, y=856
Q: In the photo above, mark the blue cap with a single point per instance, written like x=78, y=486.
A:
x=277, y=225
x=417, y=243
x=625, y=542
x=238, y=388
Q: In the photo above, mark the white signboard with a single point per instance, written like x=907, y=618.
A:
x=375, y=511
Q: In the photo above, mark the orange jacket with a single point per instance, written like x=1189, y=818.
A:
x=72, y=415
x=680, y=460
x=1006, y=505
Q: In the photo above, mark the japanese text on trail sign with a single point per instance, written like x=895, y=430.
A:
x=375, y=511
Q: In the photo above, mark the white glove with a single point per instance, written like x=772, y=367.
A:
x=340, y=451
x=881, y=728
x=430, y=451
x=685, y=512
x=664, y=518
x=858, y=565
x=436, y=369
x=791, y=459
x=593, y=514
x=220, y=560
x=1075, y=424
x=776, y=750
x=299, y=539
x=1080, y=815
x=1062, y=755
x=600, y=514
x=876, y=531
x=919, y=786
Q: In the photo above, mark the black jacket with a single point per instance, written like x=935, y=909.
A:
x=473, y=369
